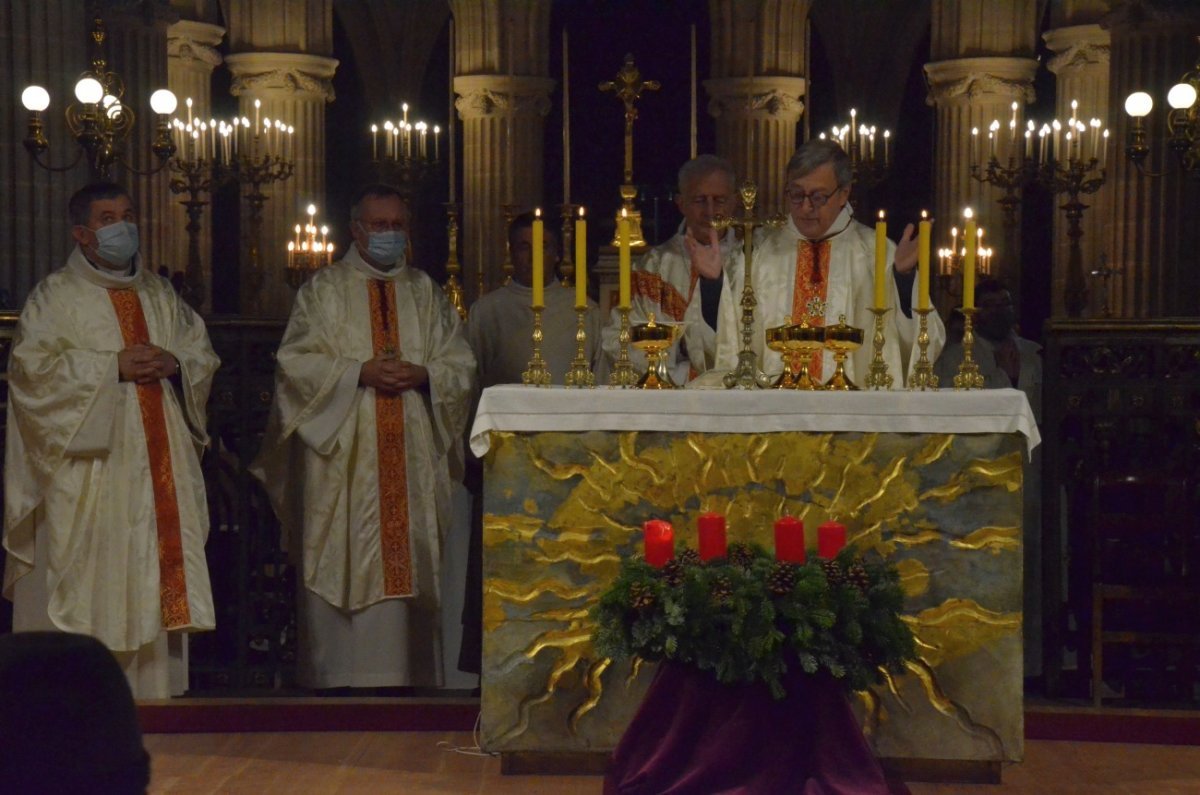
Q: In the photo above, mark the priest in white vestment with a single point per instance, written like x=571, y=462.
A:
x=372, y=394
x=500, y=324
x=687, y=279
x=819, y=267
x=105, y=515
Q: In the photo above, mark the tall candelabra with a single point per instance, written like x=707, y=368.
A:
x=1051, y=158
x=870, y=152
x=404, y=157
x=255, y=168
x=453, y=286
x=307, y=253
x=747, y=374
x=194, y=177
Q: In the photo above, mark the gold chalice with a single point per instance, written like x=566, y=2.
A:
x=803, y=341
x=653, y=339
x=841, y=340
x=777, y=340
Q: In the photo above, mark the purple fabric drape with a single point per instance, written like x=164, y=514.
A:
x=694, y=735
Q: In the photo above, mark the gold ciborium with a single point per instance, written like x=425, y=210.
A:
x=842, y=340
x=653, y=339
x=796, y=344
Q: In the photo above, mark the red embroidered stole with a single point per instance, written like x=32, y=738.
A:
x=810, y=290
x=172, y=579
x=389, y=441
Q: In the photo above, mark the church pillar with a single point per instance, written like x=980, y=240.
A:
x=1155, y=237
x=500, y=67
x=981, y=62
x=191, y=58
x=1080, y=65
x=137, y=51
x=293, y=88
x=757, y=86
x=35, y=234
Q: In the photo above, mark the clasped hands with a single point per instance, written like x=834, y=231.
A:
x=144, y=364
x=389, y=374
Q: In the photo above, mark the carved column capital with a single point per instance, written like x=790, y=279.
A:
x=195, y=42
x=973, y=78
x=487, y=95
x=775, y=97
x=1077, y=47
x=289, y=74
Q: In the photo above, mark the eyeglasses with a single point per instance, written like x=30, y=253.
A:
x=797, y=197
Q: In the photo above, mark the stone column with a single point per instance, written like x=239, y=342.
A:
x=757, y=86
x=1155, y=237
x=756, y=129
x=969, y=93
x=137, y=51
x=35, y=235
x=501, y=62
x=1080, y=64
x=294, y=88
x=191, y=58
x=981, y=62
x=492, y=109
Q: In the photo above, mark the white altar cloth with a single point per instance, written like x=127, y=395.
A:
x=530, y=409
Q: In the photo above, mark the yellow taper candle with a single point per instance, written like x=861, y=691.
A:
x=881, y=261
x=968, y=297
x=539, y=297
x=924, y=232
x=580, y=261
x=623, y=261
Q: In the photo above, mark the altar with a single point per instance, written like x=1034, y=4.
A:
x=930, y=481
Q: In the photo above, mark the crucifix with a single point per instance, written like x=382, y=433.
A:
x=628, y=88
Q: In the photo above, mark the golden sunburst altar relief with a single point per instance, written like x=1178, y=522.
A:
x=563, y=509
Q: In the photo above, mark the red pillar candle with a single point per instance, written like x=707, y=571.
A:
x=660, y=542
x=789, y=540
x=831, y=539
x=712, y=536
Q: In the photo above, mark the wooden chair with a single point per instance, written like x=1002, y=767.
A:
x=1144, y=579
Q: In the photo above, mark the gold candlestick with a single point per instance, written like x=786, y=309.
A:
x=566, y=268
x=536, y=372
x=878, y=376
x=453, y=286
x=923, y=377
x=968, y=376
x=507, y=267
x=623, y=373
x=580, y=375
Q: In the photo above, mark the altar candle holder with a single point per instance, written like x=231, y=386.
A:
x=623, y=373
x=968, y=376
x=580, y=375
x=878, y=376
x=923, y=377
x=536, y=373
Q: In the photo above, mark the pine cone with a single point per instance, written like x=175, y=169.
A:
x=782, y=579
x=834, y=574
x=858, y=577
x=740, y=555
x=672, y=573
x=722, y=590
x=641, y=596
x=689, y=557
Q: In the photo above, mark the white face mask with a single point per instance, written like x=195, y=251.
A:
x=117, y=242
x=387, y=248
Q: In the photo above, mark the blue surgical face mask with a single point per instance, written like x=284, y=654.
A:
x=387, y=248
x=117, y=242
